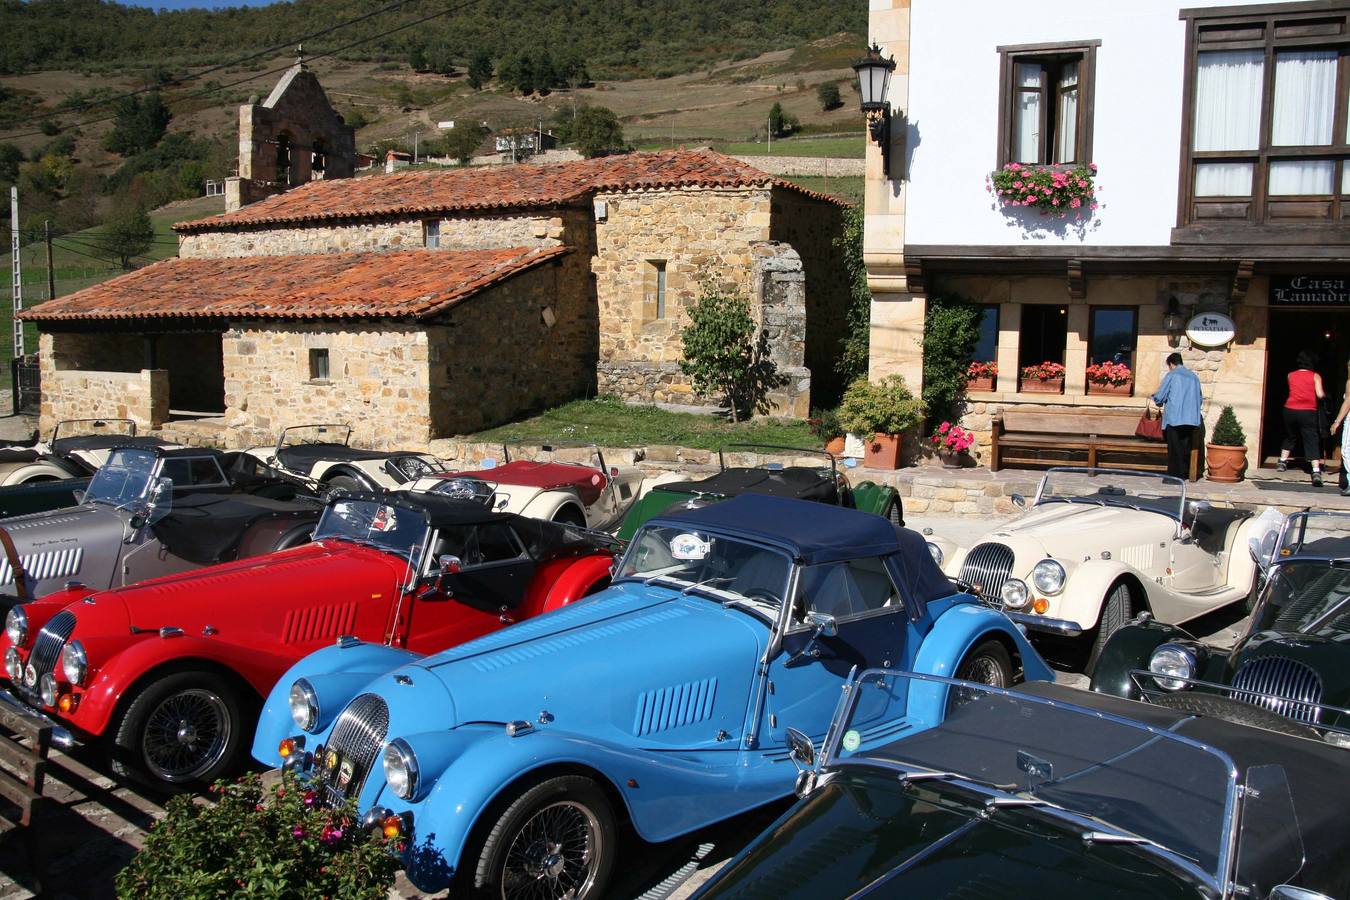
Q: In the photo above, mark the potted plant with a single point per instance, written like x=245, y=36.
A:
x=952, y=443
x=981, y=376
x=1110, y=378
x=824, y=424
x=1054, y=190
x=880, y=413
x=1042, y=378
x=1226, y=452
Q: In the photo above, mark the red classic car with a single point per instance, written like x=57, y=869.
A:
x=170, y=672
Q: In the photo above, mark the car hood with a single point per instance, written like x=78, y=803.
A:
x=56, y=545
x=1071, y=531
x=634, y=664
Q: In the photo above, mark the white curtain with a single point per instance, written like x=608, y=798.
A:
x=1027, y=121
x=1066, y=139
x=1305, y=98
x=1301, y=177
x=1228, y=100
x=1223, y=179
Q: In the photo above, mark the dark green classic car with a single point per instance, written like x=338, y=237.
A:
x=1045, y=792
x=1289, y=672
x=823, y=483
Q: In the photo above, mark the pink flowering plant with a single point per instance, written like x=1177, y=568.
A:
x=1042, y=371
x=1054, y=190
x=951, y=437
x=252, y=840
x=1109, y=373
x=980, y=369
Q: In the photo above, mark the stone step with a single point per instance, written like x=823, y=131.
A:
x=196, y=432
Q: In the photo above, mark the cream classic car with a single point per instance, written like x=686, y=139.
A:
x=319, y=456
x=76, y=449
x=1100, y=546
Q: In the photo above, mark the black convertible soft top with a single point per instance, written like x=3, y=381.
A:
x=206, y=528
x=304, y=457
x=797, y=482
x=104, y=442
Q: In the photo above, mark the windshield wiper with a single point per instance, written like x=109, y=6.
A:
x=1112, y=837
x=714, y=580
x=913, y=777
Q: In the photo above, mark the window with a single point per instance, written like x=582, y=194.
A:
x=1046, y=103
x=986, y=348
x=654, y=287
x=194, y=470
x=1044, y=334
x=1113, y=333
x=318, y=365
x=660, y=290
x=845, y=590
x=1265, y=126
x=431, y=233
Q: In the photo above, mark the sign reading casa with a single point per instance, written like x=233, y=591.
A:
x=1309, y=290
x=1210, y=329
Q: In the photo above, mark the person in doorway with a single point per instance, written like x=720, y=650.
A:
x=1345, y=436
x=1179, y=396
x=1300, y=415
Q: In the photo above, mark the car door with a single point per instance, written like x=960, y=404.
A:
x=873, y=631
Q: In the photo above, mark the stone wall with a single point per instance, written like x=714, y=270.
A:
x=828, y=167
x=780, y=296
x=85, y=393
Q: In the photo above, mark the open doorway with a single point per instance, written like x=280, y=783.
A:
x=196, y=367
x=1324, y=331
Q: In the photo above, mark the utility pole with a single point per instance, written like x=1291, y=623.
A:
x=16, y=268
x=51, y=273
x=770, y=135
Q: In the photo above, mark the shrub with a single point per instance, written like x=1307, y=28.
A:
x=855, y=345
x=1227, y=431
x=259, y=843
x=828, y=95
x=951, y=331
x=887, y=407
x=597, y=132
x=723, y=355
x=1112, y=373
x=825, y=425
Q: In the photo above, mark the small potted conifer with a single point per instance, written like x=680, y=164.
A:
x=1226, y=452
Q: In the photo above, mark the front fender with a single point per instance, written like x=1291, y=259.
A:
x=869, y=496
x=960, y=628
x=1130, y=648
x=577, y=580
x=1086, y=588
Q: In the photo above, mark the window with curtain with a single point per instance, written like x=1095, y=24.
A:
x=1045, y=104
x=1269, y=140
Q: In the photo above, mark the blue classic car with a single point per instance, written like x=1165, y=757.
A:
x=508, y=763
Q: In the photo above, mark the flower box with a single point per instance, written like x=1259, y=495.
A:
x=1058, y=190
x=981, y=376
x=981, y=384
x=1042, y=385
x=1110, y=378
x=1111, y=390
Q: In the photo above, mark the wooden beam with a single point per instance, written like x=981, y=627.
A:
x=1242, y=279
x=1077, y=283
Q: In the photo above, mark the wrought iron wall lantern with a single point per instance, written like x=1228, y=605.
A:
x=1173, y=322
x=874, y=82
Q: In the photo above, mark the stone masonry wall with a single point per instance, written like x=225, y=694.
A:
x=826, y=166
x=73, y=393
x=379, y=381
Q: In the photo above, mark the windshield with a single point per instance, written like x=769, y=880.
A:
x=393, y=528
x=1111, y=487
x=314, y=434
x=1137, y=783
x=721, y=567
x=1308, y=597
x=124, y=480
x=1324, y=534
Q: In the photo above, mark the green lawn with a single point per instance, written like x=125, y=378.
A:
x=612, y=423
x=848, y=188
x=838, y=147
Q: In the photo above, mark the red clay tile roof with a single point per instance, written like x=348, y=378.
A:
x=414, y=284
x=501, y=187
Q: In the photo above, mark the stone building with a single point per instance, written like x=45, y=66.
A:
x=1216, y=142
x=422, y=304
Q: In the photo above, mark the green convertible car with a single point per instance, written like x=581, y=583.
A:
x=823, y=483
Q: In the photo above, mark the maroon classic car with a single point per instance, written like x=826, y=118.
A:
x=170, y=672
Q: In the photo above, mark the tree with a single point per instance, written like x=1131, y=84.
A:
x=725, y=354
x=126, y=234
x=597, y=132
x=856, y=344
x=828, y=95
x=950, y=332
x=516, y=71
x=140, y=123
x=776, y=119
x=461, y=141
x=10, y=157
x=480, y=69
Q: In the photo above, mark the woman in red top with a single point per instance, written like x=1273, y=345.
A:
x=1300, y=415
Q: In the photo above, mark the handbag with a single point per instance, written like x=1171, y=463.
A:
x=1150, y=425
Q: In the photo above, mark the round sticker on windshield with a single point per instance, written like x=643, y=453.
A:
x=852, y=740
x=689, y=546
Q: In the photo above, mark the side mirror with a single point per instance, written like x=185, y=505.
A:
x=800, y=749
x=1019, y=501
x=823, y=623
x=449, y=565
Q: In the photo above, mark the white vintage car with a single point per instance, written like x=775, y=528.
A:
x=320, y=457
x=559, y=487
x=1100, y=546
x=76, y=449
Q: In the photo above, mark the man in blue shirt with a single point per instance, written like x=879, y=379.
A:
x=1179, y=395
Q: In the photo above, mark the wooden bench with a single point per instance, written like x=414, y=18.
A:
x=1024, y=436
x=24, y=742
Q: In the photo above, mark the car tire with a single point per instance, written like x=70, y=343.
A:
x=570, y=515
x=345, y=483
x=1227, y=709
x=523, y=844
x=148, y=748
x=1116, y=611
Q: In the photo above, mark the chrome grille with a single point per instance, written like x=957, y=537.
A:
x=47, y=651
x=1281, y=685
x=986, y=567
x=356, y=741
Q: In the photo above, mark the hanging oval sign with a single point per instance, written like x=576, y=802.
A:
x=1211, y=329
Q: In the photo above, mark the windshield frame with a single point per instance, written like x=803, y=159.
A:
x=1179, y=517
x=387, y=500
x=321, y=429
x=151, y=477
x=1302, y=519
x=1225, y=868
x=1274, y=577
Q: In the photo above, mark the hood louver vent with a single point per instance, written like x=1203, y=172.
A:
x=45, y=566
x=319, y=623
x=675, y=707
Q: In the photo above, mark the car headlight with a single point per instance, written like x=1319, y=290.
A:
x=74, y=662
x=1014, y=593
x=935, y=551
x=304, y=704
x=400, y=769
x=47, y=689
x=1170, y=663
x=1048, y=576
x=16, y=626
x=13, y=666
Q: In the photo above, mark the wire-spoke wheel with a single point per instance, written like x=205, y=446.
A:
x=181, y=730
x=554, y=842
x=989, y=663
x=893, y=513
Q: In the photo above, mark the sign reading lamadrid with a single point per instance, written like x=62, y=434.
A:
x=1309, y=290
x=1210, y=330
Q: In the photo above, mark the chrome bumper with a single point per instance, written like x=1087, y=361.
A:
x=62, y=739
x=1052, y=626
